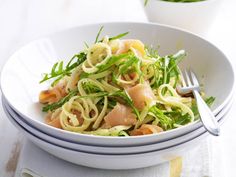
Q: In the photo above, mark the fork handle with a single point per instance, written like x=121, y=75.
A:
x=207, y=117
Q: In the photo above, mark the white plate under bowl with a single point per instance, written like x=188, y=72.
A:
x=22, y=72
x=11, y=114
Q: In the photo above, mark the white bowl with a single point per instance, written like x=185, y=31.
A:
x=196, y=17
x=120, y=162
x=23, y=70
x=11, y=114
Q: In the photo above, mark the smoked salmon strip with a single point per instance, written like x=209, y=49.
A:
x=120, y=115
x=141, y=94
x=53, y=95
x=146, y=129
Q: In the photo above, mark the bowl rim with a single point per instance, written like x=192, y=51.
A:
x=24, y=130
x=50, y=138
x=13, y=113
x=118, y=23
x=205, y=133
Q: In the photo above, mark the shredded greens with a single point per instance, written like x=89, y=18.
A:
x=111, y=38
x=58, y=70
x=118, y=36
x=164, y=120
x=166, y=67
x=111, y=62
x=99, y=32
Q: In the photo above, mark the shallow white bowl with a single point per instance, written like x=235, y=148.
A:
x=11, y=114
x=196, y=17
x=22, y=72
x=105, y=161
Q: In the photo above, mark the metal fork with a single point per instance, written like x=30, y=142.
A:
x=207, y=117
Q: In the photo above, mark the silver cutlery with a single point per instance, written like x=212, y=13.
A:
x=191, y=84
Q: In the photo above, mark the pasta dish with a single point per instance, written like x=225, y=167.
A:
x=118, y=87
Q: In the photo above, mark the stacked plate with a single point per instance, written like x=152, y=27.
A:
x=20, y=87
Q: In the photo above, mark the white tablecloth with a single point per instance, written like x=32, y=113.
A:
x=38, y=163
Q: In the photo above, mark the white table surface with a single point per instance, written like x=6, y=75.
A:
x=25, y=20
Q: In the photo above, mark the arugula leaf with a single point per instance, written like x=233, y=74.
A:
x=210, y=100
x=99, y=32
x=111, y=103
x=131, y=60
x=58, y=71
x=166, y=68
x=81, y=57
x=173, y=71
x=111, y=38
x=53, y=106
x=90, y=88
x=118, y=36
x=177, y=117
x=156, y=76
x=111, y=61
x=165, y=121
x=84, y=75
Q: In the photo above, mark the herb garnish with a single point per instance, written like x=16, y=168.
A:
x=58, y=71
x=164, y=120
x=99, y=32
x=111, y=38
